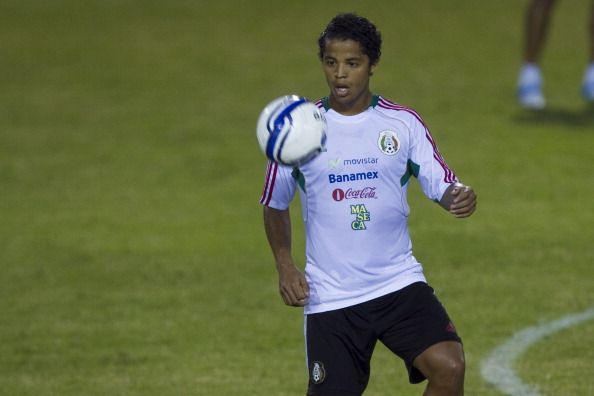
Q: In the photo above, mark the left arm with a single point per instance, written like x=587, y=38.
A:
x=459, y=200
x=437, y=180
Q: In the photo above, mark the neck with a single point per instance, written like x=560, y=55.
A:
x=356, y=106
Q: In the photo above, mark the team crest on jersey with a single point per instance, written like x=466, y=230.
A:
x=388, y=142
x=318, y=373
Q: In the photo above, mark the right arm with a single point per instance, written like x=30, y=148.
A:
x=292, y=284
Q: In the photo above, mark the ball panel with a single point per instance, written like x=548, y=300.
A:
x=282, y=121
x=291, y=130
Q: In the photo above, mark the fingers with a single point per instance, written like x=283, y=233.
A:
x=464, y=203
x=295, y=293
x=295, y=297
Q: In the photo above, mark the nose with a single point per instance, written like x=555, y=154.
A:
x=341, y=71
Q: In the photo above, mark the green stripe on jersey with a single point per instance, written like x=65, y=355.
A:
x=412, y=169
x=297, y=175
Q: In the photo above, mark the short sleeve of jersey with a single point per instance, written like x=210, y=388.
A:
x=279, y=186
x=427, y=164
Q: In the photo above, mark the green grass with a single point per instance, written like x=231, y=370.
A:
x=132, y=255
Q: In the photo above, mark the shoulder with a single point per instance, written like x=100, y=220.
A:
x=391, y=109
x=322, y=103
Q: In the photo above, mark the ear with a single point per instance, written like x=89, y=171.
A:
x=372, y=69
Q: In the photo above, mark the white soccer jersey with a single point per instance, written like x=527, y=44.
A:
x=354, y=203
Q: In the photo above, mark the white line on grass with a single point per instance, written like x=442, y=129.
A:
x=497, y=368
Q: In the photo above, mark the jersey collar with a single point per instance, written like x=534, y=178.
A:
x=326, y=102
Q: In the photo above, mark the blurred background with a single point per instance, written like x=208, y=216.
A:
x=132, y=255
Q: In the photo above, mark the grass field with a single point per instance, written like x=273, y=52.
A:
x=132, y=255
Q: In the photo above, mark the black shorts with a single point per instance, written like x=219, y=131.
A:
x=340, y=343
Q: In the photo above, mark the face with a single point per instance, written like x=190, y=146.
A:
x=347, y=71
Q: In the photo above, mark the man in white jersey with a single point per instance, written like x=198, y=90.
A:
x=362, y=283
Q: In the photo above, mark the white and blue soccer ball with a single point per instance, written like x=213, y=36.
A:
x=291, y=130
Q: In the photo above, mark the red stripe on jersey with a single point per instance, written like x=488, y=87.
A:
x=449, y=176
x=269, y=166
x=271, y=170
x=386, y=104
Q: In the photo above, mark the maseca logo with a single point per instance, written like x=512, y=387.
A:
x=365, y=193
x=362, y=216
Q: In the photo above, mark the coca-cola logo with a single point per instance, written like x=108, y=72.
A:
x=365, y=193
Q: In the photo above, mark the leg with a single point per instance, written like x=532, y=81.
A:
x=537, y=21
x=419, y=330
x=588, y=85
x=591, y=32
x=443, y=365
x=536, y=24
x=339, y=348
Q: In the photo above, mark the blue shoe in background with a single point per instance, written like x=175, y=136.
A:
x=530, y=88
x=588, y=84
x=531, y=97
x=588, y=91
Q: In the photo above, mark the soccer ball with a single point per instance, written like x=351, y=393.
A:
x=291, y=130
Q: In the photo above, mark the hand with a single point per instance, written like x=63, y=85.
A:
x=464, y=201
x=292, y=285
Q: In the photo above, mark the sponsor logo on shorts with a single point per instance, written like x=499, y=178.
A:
x=450, y=328
x=365, y=193
x=318, y=373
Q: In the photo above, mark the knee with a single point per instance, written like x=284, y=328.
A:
x=453, y=367
x=444, y=366
x=446, y=369
x=448, y=374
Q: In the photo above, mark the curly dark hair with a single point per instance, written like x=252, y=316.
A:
x=349, y=26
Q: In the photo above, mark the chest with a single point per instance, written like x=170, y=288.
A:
x=361, y=154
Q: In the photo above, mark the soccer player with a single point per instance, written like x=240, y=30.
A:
x=537, y=21
x=362, y=283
